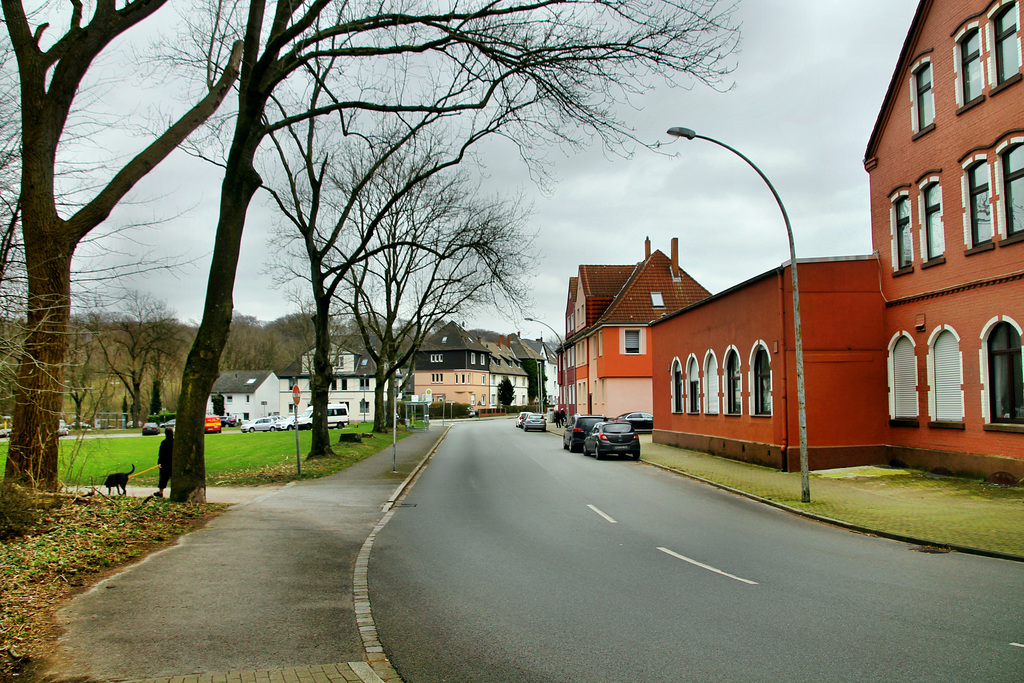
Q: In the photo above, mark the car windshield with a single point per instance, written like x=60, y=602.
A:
x=615, y=428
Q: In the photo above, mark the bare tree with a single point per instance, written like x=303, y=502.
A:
x=552, y=70
x=450, y=249
x=51, y=74
x=135, y=343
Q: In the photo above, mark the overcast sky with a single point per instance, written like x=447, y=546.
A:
x=809, y=82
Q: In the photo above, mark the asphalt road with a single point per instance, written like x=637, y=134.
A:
x=514, y=560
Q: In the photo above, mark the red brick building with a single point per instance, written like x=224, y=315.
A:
x=913, y=356
x=725, y=369
x=946, y=164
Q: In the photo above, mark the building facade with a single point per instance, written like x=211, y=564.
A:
x=248, y=395
x=605, y=364
x=453, y=366
x=725, y=369
x=946, y=165
x=353, y=384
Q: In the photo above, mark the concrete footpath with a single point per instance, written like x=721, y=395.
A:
x=274, y=590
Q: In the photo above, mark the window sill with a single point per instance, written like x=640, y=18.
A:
x=904, y=422
x=1016, y=78
x=980, y=249
x=1004, y=427
x=1012, y=239
x=762, y=415
x=924, y=131
x=946, y=424
x=733, y=414
x=971, y=105
x=905, y=270
x=937, y=261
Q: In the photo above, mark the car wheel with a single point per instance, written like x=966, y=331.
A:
x=636, y=457
x=597, y=452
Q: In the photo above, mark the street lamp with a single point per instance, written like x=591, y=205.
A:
x=805, y=487
x=557, y=336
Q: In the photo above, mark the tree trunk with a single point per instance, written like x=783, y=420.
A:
x=188, y=471
x=381, y=421
x=320, y=379
x=39, y=393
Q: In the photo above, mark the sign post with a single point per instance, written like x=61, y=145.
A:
x=296, y=396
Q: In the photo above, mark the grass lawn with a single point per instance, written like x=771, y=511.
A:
x=232, y=458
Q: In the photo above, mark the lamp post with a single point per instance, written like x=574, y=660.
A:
x=557, y=336
x=805, y=487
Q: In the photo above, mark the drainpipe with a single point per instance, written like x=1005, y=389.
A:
x=784, y=366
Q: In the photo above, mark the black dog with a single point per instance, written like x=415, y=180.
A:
x=118, y=481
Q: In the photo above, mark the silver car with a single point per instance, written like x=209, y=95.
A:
x=262, y=424
x=535, y=421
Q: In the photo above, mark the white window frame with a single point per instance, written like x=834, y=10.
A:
x=915, y=118
x=639, y=341
x=1001, y=225
x=752, y=379
x=694, y=364
x=711, y=384
x=726, y=380
x=933, y=388
x=894, y=388
x=436, y=357
x=922, y=215
x=965, y=188
x=986, y=330
x=958, y=59
x=894, y=246
x=993, y=67
x=674, y=400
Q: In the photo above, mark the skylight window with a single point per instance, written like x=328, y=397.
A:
x=657, y=300
x=251, y=381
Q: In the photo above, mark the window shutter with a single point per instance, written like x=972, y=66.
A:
x=711, y=387
x=632, y=341
x=949, y=403
x=904, y=383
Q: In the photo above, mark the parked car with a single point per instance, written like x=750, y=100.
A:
x=169, y=423
x=612, y=438
x=228, y=421
x=262, y=424
x=62, y=428
x=212, y=424
x=337, y=415
x=642, y=422
x=151, y=429
x=522, y=416
x=576, y=429
x=535, y=421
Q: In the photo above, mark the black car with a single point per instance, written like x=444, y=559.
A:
x=150, y=429
x=612, y=438
x=576, y=429
x=642, y=422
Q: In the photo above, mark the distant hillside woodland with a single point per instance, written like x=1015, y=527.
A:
x=131, y=362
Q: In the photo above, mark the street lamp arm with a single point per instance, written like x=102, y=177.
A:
x=805, y=489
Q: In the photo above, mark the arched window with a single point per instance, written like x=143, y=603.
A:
x=980, y=213
x=693, y=385
x=904, y=379
x=677, y=386
x=934, y=238
x=971, y=78
x=1007, y=57
x=762, y=384
x=904, y=242
x=947, y=378
x=1005, y=384
x=734, y=384
x=1013, y=189
x=711, y=384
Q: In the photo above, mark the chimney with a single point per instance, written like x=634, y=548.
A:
x=647, y=248
x=675, y=255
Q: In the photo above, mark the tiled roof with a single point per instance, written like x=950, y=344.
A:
x=634, y=303
x=604, y=281
x=240, y=381
x=451, y=337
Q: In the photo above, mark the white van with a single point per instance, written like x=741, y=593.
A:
x=337, y=416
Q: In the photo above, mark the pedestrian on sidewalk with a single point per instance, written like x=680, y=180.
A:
x=163, y=460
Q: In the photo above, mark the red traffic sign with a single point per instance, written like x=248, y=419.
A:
x=296, y=394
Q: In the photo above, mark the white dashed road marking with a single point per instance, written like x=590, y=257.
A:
x=607, y=518
x=706, y=566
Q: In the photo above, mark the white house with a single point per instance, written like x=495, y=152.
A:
x=247, y=394
x=353, y=384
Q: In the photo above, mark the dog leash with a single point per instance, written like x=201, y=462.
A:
x=141, y=471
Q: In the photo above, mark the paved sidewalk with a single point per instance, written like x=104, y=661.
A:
x=940, y=512
x=273, y=590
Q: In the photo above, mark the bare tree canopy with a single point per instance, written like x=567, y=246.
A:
x=50, y=74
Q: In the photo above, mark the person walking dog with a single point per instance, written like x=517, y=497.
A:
x=163, y=460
